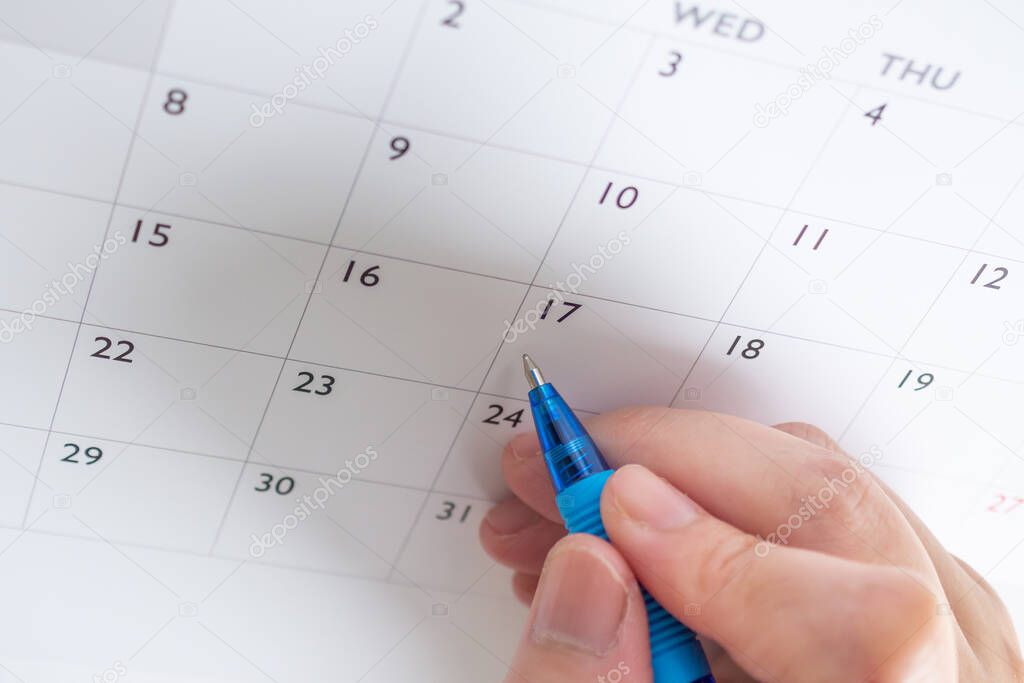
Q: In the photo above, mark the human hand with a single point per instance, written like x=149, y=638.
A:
x=860, y=590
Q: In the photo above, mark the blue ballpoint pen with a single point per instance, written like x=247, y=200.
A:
x=579, y=472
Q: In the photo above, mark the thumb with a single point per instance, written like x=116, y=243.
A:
x=781, y=613
x=587, y=622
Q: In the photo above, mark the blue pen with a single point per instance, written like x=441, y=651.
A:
x=579, y=472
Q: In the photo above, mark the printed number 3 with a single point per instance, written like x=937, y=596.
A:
x=675, y=58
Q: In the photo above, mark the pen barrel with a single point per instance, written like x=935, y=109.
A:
x=676, y=654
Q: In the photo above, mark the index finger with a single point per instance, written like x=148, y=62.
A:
x=749, y=475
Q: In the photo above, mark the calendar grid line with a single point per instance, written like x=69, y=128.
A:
x=931, y=306
x=497, y=351
x=226, y=458
x=371, y=138
x=764, y=247
x=229, y=558
x=667, y=36
x=491, y=192
x=793, y=67
x=882, y=231
x=725, y=321
x=106, y=232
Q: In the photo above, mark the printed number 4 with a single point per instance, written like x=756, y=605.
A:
x=876, y=114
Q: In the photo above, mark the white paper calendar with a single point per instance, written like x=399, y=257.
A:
x=268, y=269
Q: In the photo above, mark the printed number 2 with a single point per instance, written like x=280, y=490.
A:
x=450, y=20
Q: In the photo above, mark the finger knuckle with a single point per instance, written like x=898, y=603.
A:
x=851, y=492
x=724, y=559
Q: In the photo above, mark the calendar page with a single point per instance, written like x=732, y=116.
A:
x=268, y=270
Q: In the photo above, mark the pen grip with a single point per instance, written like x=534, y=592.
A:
x=676, y=654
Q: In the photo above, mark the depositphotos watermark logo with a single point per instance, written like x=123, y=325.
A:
x=822, y=500
x=312, y=72
x=308, y=504
x=58, y=289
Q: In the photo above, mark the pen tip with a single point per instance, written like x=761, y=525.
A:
x=533, y=375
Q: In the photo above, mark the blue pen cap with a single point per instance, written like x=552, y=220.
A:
x=570, y=453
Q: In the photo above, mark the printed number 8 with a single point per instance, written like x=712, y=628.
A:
x=175, y=103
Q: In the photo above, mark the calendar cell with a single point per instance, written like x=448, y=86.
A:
x=665, y=131
x=920, y=417
x=841, y=284
x=207, y=283
x=515, y=75
x=67, y=123
x=200, y=155
x=128, y=493
x=992, y=404
x=989, y=531
x=405, y=320
x=161, y=392
x=33, y=357
x=958, y=60
x=20, y=450
x=761, y=31
x=50, y=245
x=494, y=214
x=940, y=501
x=623, y=240
x=325, y=522
x=122, y=31
x=772, y=379
x=340, y=55
x=652, y=350
x=922, y=182
x=972, y=318
x=473, y=467
x=444, y=548
x=319, y=415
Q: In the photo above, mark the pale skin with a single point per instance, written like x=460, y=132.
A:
x=860, y=591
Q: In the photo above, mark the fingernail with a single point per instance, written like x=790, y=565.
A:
x=523, y=448
x=506, y=519
x=581, y=602
x=645, y=497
